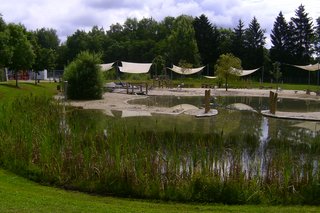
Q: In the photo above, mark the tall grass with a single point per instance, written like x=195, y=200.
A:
x=80, y=150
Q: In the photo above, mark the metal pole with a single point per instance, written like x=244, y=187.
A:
x=318, y=73
x=262, y=73
x=65, y=88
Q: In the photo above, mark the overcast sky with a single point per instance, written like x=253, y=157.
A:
x=66, y=16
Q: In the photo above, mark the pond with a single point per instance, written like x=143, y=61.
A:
x=235, y=144
x=232, y=120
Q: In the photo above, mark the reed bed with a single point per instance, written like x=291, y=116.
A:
x=83, y=150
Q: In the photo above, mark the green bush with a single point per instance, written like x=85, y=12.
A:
x=84, y=77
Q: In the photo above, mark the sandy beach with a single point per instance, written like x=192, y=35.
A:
x=118, y=100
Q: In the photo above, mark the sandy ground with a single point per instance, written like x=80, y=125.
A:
x=118, y=100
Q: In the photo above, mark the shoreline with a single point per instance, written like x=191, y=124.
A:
x=118, y=101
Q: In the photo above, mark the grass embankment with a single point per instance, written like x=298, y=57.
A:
x=36, y=152
x=20, y=195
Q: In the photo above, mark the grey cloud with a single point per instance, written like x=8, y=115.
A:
x=113, y=4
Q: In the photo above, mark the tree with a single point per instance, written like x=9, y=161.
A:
x=2, y=24
x=227, y=66
x=5, y=49
x=158, y=65
x=303, y=35
x=254, y=47
x=96, y=40
x=317, y=39
x=45, y=44
x=239, y=40
x=182, y=44
x=115, y=31
x=254, y=35
x=147, y=29
x=47, y=38
x=22, y=52
x=276, y=72
x=130, y=28
x=76, y=43
x=207, y=39
x=84, y=77
x=165, y=27
x=225, y=40
x=279, y=38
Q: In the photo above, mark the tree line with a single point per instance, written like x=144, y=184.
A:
x=182, y=40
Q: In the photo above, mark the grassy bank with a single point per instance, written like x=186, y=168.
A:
x=89, y=153
x=20, y=195
x=83, y=151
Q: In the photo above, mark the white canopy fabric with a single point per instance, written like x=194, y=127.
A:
x=106, y=67
x=129, y=67
x=244, y=72
x=211, y=77
x=185, y=71
x=311, y=67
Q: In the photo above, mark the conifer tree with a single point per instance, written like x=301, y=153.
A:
x=302, y=35
x=207, y=39
x=279, y=38
x=238, y=41
x=254, y=44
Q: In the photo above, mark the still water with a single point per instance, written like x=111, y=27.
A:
x=268, y=144
x=232, y=120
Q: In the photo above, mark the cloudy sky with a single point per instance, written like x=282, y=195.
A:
x=66, y=16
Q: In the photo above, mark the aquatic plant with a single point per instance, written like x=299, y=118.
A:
x=87, y=151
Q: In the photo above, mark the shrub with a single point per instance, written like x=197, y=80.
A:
x=84, y=77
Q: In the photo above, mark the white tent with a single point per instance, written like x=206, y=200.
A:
x=106, y=67
x=185, y=71
x=129, y=67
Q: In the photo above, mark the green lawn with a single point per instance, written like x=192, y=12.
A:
x=20, y=195
x=8, y=90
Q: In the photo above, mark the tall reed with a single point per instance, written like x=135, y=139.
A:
x=86, y=151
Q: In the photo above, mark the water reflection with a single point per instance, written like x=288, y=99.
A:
x=257, y=103
x=251, y=144
x=231, y=120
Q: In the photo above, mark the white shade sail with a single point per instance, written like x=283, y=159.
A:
x=311, y=67
x=244, y=72
x=211, y=77
x=106, y=67
x=185, y=71
x=129, y=67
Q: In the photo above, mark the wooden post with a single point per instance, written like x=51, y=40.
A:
x=273, y=102
x=207, y=101
x=127, y=88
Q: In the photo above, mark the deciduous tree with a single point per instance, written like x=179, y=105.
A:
x=84, y=77
x=226, y=67
x=182, y=44
x=22, y=52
